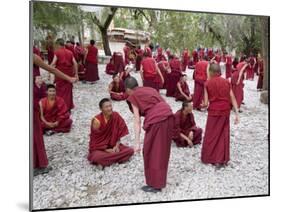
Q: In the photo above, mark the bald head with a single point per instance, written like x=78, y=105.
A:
x=215, y=69
x=131, y=83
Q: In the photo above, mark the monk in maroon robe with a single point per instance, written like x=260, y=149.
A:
x=50, y=48
x=65, y=61
x=185, y=59
x=80, y=52
x=54, y=113
x=260, y=73
x=210, y=53
x=116, y=89
x=165, y=69
x=174, y=76
x=250, y=69
x=40, y=160
x=168, y=53
x=186, y=133
x=182, y=92
x=91, y=63
x=237, y=82
x=40, y=88
x=200, y=77
x=126, y=51
x=110, y=68
x=150, y=72
x=36, y=70
x=107, y=129
x=219, y=98
x=228, y=66
x=139, y=57
x=195, y=56
x=70, y=46
x=119, y=65
x=160, y=56
x=158, y=119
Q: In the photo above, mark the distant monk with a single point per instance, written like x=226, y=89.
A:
x=70, y=46
x=36, y=70
x=165, y=69
x=158, y=119
x=119, y=65
x=174, y=76
x=107, y=129
x=150, y=72
x=160, y=56
x=116, y=89
x=200, y=77
x=126, y=51
x=186, y=132
x=228, y=66
x=185, y=59
x=219, y=98
x=110, y=68
x=210, y=53
x=40, y=88
x=250, y=69
x=182, y=92
x=65, y=62
x=91, y=63
x=237, y=82
x=218, y=57
x=50, y=48
x=260, y=73
x=79, y=52
x=139, y=53
x=40, y=160
x=195, y=56
x=54, y=113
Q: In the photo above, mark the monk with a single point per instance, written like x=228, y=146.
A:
x=36, y=70
x=40, y=88
x=174, y=76
x=65, y=61
x=50, y=48
x=228, y=66
x=119, y=65
x=91, y=63
x=237, y=82
x=54, y=113
x=182, y=92
x=150, y=72
x=158, y=118
x=107, y=129
x=165, y=69
x=200, y=77
x=219, y=99
x=260, y=73
x=40, y=160
x=250, y=69
x=116, y=89
x=195, y=56
x=79, y=52
x=210, y=53
x=110, y=69
x=139, y=53
x=186, y=132
x=160, y=56
x=185, y=59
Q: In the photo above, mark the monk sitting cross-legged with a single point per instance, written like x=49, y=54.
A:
x=116, y=89
x=107, y=128
x=182, y=92
x=186, y=132
x=55, y=116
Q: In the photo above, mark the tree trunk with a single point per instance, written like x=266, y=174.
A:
x=265, y=42
x=105, y=42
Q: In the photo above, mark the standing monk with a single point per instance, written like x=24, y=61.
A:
x=160, y=56
x=165, y=69
x=260, y=73
x=65, y=61
x=186, y=132
x=150, y=72
x=79, y=52
x=107, y=129
x=228, y=66
x=158, y=126
x=174, y=76
x=50, y=48
x=182, y=92
x=185, y=59
x=116, y=89
x=139, y=55
x=250, y=69
x=40, y=160
x=219, y=98
x=36, y=69
x=54, y=113
x=91, y=63
x=195, y=56
x=200, y=77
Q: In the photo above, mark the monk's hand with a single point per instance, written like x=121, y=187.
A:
x=189, y=142
x=191, y=134
x=73, y=80
x=109, y=150
x=137, y=148
x=116, y=148
x=236, y=119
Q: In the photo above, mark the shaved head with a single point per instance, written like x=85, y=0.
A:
x=131, y=83
x=215, y=69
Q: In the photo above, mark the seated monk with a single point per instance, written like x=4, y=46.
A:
x=182, y=91
x=107, y=128
x=39, y=88
x=110, y=68
x=186, y=132
x=54, y=113
x=116, y=89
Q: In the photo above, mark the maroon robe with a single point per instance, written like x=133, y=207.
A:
x=200, y=77
x=65, y=64
x=260, y=73
x=92, y=71
x=158, y=126
x=186, y=124
x=150, y=75
x=163, y=67
x=185, y=59
x=40, y=159
x=56, y=112
x=250, y=69
x=79, y=52
x=173, y=77
x=139, y=58
x=110, y=68
x=120, y=89
x=195, y=57
x=107, y=137
x=50, y=52
x=36, y=69
x=160, y=56
x=238, y=90
x=126, y=51
x=228, y=66
x=185, y=89
x=210, y=54
x=216, y=146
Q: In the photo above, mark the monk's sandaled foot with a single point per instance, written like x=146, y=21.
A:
x=40, y=171
x=150, y=189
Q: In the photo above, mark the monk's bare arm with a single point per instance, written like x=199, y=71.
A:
x=85, y=55
x=95, y=124
x=141, y=72
x=206, y=98
x=181, y=91
x=42, y=114
x=110, y=86
x=39, y=62
x=54, y=61
x=241, y=73
x=234, y=104
x=137, y=124
x=75, y=65
x=208, y=74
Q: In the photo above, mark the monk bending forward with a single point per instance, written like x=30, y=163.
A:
x=158, y=127
x=107, y=129
x=219, y=95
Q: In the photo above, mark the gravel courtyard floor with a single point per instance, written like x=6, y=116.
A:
x=73, y=182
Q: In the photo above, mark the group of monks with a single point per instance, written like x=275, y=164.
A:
x=219, y=94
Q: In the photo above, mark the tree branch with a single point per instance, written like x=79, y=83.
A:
x=109, y=17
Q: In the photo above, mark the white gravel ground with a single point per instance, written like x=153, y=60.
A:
x=73, y=182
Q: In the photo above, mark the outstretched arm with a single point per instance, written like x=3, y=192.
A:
x=241, y=73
